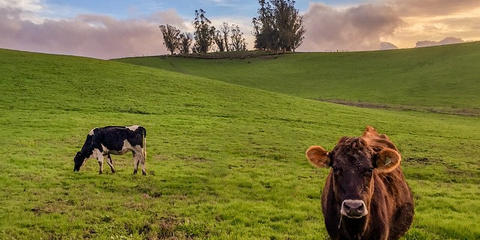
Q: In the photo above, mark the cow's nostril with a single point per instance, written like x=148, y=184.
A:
x=360, y=208
x=354, y=208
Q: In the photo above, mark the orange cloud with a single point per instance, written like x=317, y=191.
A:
x=383, y=24
x=355, y=28
x=86, y=35
x=432, y=7
x=400, y=22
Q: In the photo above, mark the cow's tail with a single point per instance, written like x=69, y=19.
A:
x=144, y=134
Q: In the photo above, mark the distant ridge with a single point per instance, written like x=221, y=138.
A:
x=446, y=41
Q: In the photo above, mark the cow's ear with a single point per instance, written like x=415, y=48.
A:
x=387, y=160
x=318, y=157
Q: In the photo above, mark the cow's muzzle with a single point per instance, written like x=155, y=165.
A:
x=354, y=208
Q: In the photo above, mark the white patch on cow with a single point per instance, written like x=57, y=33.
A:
x=96, y=153
x=91, y=132
x=133, y=128
x=105, y=149
x=126, y=146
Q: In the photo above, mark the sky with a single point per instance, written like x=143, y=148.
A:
x=120, y=28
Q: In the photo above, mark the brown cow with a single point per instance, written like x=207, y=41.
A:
x=365, y=195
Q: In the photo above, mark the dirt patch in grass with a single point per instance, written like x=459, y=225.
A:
x=132, y=111
x=60, y=206
x=193, y=158
x=451, y=171
x=420, y=160
x=453, y=111
x=169, y=227
x=161, y=157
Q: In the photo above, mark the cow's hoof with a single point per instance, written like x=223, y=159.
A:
x=100, y=172
x=144, y=173
x=134, y=172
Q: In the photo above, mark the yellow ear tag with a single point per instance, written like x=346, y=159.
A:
x=388, y=161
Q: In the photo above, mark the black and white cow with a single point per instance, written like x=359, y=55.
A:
x=101, y=142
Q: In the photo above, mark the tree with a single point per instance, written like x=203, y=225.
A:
x=238, y=41
x=185, y=40
x=225, y=30
x=279, y=26
x=204, y=33
x=170, y=37
x=264, y=27
x=289, y=24
x=218, y=38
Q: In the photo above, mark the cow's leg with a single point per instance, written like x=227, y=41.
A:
x=141, y=156
x=99, y=156
x=100, y=163
x=135, y=162
x=110, y=163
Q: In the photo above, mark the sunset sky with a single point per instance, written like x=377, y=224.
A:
x=118, y=28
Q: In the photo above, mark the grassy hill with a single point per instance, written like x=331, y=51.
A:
x=224, y=161
x=444, y=78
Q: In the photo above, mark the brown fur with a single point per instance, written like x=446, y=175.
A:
x=386, y=194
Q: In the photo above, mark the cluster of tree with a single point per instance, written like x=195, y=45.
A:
x=175, y=40
x=279, y=26
x=227, y=38
x=230, y=39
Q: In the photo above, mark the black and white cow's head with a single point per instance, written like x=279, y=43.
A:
x=79, y=159
x=85, y=153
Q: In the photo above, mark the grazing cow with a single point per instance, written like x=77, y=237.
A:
x=101, y=142
x=365, y=194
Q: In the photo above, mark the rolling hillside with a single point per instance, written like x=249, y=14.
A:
x=439, y=79
x=224, y=161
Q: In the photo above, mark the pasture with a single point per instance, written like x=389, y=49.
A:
x=225, y=161
x=438, y=79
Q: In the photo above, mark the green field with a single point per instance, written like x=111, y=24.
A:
x=224, y=161
x=444, y=79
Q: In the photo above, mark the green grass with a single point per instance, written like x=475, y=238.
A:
x=444, y=78
x=224, y=161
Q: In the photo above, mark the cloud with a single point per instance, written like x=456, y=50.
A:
x=169, y=17
x=382, y=24
x=224, y=3
x=432, y=7
x=23, y=5
x=91, y=35
x=355, y=28
x=403, y=22
x=446, y=41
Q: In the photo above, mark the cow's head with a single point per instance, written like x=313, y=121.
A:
x=354, y=164
x=78, y=160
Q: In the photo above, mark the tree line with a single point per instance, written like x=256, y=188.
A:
x=277, y=28
x=228, y=38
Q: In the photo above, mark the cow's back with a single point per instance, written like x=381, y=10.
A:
x=393, y=187
x=113, y=137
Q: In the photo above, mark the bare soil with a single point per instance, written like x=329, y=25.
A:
x=452, y=111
